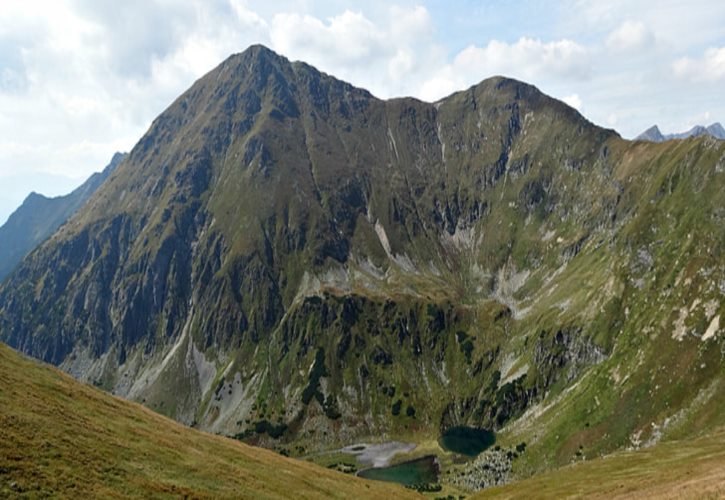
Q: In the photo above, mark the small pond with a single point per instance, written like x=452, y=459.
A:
x=467, y=441
x=414, y=472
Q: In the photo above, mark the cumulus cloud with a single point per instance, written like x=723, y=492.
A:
x=347, y=40
x=74, y=74
x=574, y=101
x=527, y=59
x=709, y=68
x=630, y=35
x=382, y=56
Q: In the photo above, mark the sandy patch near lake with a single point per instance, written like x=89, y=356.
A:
x=377, y=455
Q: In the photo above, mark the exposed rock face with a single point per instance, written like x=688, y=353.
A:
x=284, y=256
x=491, y=468
x=39, y=217
x=652, y=134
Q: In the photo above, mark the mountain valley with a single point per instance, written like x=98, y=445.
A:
x=287, y=260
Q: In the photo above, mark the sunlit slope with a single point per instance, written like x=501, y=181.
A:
x=59, y=437
x=675, y=469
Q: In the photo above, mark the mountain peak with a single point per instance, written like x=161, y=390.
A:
x=260, y=50
x=716, y=130
x=34, y=195
x=653, y=133
x=39, y=216
x=275, y=218
x=696, y=131
x=256, y=55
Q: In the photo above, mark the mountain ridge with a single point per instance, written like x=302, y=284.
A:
x=281, y=251
x=653, y=133
x=39, y=216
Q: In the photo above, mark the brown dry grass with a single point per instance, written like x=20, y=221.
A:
x=675, y=469
x=61, y=438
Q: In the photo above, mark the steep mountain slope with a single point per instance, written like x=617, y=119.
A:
x=287, y=258
x=61, y=438
x=653, y=133
x=39, y=217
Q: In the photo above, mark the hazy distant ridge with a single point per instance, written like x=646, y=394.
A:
x=653, y=134
x=39, y=216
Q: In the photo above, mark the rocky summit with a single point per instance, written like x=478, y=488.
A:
x=287, y=259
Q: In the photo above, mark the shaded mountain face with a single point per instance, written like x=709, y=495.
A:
x=284, y=257
x=717, y=131
x=653, y=133
x=39, y=217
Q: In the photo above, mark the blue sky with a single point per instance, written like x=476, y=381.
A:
x=81, y=79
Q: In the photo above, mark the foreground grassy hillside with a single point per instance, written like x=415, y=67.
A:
x=62, y=438
x=674, y=469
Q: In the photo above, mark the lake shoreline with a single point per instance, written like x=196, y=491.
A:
x=377, y=455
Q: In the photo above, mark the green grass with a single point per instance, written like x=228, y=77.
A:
x=675, y=469
x=61, y=438
x=284, y=260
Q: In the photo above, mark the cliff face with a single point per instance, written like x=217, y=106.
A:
x=284, y=256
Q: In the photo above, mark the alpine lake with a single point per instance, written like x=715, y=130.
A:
x=423, y=472
x=467, y=441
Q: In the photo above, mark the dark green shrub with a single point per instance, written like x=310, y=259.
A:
x=396, y=407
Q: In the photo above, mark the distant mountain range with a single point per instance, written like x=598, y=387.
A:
x=653, y=133
x=39, y=216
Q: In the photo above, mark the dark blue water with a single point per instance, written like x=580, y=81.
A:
x=467, y=441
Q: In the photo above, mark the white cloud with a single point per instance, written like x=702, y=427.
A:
x=439, y=86
x=574, y=101
x=96, y=73
x=347, y=40
x=382, y=56
x=527, y=59
x=630, y=35
x=82, y=78
x=409, y=23
x=709, y=68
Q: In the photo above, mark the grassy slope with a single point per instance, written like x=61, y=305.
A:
x=62, y=438
x=673, y=469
